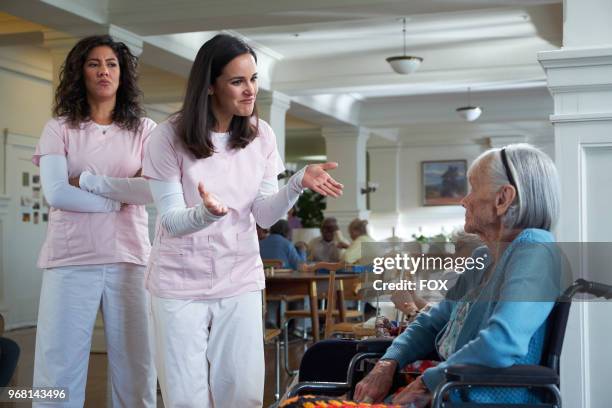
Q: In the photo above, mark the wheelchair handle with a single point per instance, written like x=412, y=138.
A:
x=596, y=288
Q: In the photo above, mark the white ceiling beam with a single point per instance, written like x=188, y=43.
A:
x=499, y=106
x=391, y=84
x=163, y=17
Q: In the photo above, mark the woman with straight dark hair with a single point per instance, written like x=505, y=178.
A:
x=213, y=169
x=97, y=242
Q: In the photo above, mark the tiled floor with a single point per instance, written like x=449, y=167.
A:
x=96, y=378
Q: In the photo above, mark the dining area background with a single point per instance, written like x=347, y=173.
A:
x=481, y=76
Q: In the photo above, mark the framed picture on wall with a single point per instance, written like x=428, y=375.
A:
x=444, y=182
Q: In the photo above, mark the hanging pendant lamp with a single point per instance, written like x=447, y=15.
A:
x=469, y=113
x=404, y=64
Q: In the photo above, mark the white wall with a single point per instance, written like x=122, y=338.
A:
x=413, y=216
x=25, y=81
x=412, y=213
x=25, y=107
x=25, y=100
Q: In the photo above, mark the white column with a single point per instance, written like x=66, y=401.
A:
x=580, y=81
x=272, y=107
x=347, y=146
x=384, y=202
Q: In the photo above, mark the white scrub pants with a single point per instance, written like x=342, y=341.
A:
x=210, y=352
x=69, y=301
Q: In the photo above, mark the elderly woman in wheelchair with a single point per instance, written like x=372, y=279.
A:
x=495, y=316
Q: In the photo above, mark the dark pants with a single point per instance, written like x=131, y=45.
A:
x=9, y=354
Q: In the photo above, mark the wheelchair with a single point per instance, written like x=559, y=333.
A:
x=355, y=355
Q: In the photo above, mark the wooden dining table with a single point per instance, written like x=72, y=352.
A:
x=310, y=284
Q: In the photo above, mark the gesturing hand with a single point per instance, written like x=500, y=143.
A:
x=212, y=203
x=317, y=179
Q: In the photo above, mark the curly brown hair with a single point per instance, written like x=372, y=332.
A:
x=71, y=94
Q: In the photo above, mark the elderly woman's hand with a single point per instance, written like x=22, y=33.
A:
x=404, y=302
x=416, y=393
x=375, y=386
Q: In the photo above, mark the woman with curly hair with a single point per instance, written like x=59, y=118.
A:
x=97, y=242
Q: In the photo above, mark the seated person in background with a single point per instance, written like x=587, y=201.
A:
x=278, y=246
x=9, y=355
x=329, y=246
x=359, y=234
x=410, y=302
x=262, y=233
x=496, y=315
x=293, y=220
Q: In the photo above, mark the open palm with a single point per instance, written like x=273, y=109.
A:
x=212, y=203
x=317, y=179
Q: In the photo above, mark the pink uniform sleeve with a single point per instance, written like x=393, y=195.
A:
x=52, y=141
x=274, y=163
x=161, y=160
x=147, y=127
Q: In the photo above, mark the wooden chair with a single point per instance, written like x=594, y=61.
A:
x=283, y=299
x=329, y=311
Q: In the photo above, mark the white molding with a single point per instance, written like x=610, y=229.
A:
x=573, y=88
x=577, y=57
x=408, y=143
x=581, y=117
x=274, y=99
x=384, y=149
x=346, y=131
x=342, y=109
x=16, y=139
x=390, y=135
x=133, y=41
x=21, y=325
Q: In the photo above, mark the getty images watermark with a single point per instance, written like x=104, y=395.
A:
x=404, y=263
x=524, y=271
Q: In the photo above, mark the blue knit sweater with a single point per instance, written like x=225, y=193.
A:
x=506, y=321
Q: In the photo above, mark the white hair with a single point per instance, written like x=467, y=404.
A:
x=537, y=202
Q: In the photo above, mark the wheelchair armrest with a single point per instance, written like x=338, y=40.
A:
x=319, y=388
x=514, y=375
x=374, y=345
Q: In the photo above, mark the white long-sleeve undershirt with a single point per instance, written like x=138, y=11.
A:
x=61, y=195
x=174, y=215
x=134, y=190
x=271, y=204
x=268, y=207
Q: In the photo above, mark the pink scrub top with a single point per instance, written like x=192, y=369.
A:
x=221, y=260
x=81, y=238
